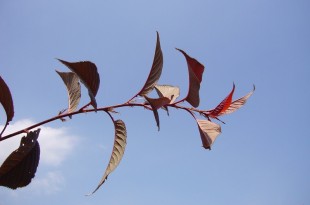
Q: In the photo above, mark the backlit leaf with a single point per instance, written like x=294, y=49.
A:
x=157, y=103
x=208, y=132
x=20, y=167
x=235, y=105
x=89, y=76
x=6, y=100
x=117, y=152
x=168, y=91
x=195, y=71
x=156, y=70
x=72, y=83
x=224, y=105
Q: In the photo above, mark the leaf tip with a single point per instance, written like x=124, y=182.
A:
x=157, y=34
x=180, y=50
x=6, y=100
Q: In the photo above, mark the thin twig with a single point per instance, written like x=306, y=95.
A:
x=57, y=117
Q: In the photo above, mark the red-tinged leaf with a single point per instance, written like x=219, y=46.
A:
x=20, y=167
x=6, y=100
x=208, y=132
x=89, y=76
x=157, y=103
x=155, y=72
x=117, y=152
x=168, y=91
x=223, y=106
x=72, y=83
x=235, y=105
x=195, y=71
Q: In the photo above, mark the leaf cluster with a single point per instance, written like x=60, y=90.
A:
x=20, y=167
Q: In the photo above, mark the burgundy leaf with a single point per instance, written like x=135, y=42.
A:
x=71, y=81
x=89, y=76
x=155, y=72
x=6, y=100
x=157, y=103
x=117, y=152
x=224, y=105
x=20, y=167
x=208, y=132
x=195, y=71
x=235, y=105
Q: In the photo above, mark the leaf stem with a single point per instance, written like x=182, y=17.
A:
x=85, y=106
x=136, y=95
x=180, y=101
x=110, y=115
x=6, y=124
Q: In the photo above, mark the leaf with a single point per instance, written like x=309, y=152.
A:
x=6, y=100
x=223, y=106
x=171, y=92
x=117, y=152
x=235, y=105
x=89, y=76
x=157, y=103
x=195, y=71
x=156, y=70
x=20, y=167
x=71, y=81
x=208, y=132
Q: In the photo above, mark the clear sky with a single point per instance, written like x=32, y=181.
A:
x=262, y=155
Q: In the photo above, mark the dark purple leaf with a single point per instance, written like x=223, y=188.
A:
x=195, y=71
x=157, y=103
x=6, y=100
x=89, y=76
x=20, y=167
x=155, y=72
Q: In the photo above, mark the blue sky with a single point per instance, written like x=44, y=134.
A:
x=262, y=155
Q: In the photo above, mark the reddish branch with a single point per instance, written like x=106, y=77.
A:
x=107, y=109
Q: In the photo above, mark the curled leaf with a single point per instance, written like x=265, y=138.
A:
x=71, y=81
x=223, y=106
x=157, y=103
x=20, y=167
x=89, y=76
x=208, y=132
x=235, y=105
x=6, y=100
x=195, y=71
x=156, y=70
x=117, y=152
x=168, y=91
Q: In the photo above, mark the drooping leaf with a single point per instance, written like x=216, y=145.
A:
x=89, y=76
x=235, y=105
x=157, y=103
x=224, y=105
x=195, y=71
x=155, y=72
x=72, y=83
x=6, y=100
x=168, y=91
x=117, y=152
x=20, y=167
x=208, y=132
